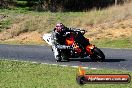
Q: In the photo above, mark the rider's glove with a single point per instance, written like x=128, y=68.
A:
x=64, y=47
x=69, y=47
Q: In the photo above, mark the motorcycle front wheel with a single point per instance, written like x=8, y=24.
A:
x=58, y=58
x=97, y=55
x=62, y=57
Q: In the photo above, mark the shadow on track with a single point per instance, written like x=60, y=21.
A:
x=89, y=60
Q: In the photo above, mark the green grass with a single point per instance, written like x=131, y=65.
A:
x=43, y=22
x=14, y=74
x=73, y=19
x=103, y=43
x=116, y=43
x=5, y=24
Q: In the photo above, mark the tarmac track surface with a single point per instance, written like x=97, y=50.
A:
x=115, y=58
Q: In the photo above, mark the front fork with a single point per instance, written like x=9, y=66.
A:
x=55, y=51
x=89, y=49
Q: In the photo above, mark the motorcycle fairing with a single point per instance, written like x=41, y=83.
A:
x=47, y=38
x=89, y=48
x=70, y=40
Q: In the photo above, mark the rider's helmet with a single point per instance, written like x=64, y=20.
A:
x=59, y=27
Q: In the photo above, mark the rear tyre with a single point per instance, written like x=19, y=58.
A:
x=64, y=57
x=98, y=55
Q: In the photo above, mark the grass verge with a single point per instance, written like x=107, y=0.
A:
x=14, y=74
x=114, y=22
x=116, y=43
x=102, y=43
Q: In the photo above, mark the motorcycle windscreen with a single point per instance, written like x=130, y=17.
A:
x=80, y=39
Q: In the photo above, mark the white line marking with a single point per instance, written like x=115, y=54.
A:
x=74, y=66
x=93, y=68
x=55, y=64
x=63, y=65
x=34, y=62
x=44, y=63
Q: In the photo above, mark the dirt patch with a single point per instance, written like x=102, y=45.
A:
x=115, y=30
x=27, y=38
x=108, y=30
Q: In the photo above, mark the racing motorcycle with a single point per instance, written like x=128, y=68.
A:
x=76, y=46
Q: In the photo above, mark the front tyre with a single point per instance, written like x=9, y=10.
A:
x=58, y=58
x=98, y=55
x=62, y=57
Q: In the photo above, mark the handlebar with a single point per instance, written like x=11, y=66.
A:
x=76, y=31
x=82, y=31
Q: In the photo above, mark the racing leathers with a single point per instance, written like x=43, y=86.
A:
x=58, y=40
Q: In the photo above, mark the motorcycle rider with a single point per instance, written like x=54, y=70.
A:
x=59, y=34
x=58, y=38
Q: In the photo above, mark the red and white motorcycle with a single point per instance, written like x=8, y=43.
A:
x=75, y=47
